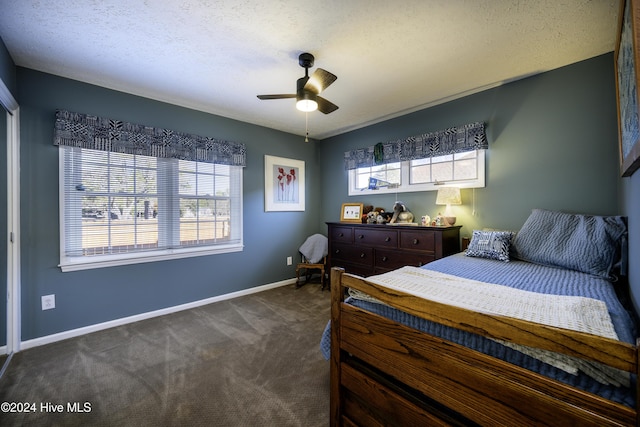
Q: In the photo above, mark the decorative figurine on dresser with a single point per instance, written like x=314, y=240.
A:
x=367, y=249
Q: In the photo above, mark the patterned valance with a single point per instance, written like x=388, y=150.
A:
x=449, y=141
x=98, y=133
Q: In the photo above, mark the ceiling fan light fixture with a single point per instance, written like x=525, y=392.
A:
x=308, y=88
x=307, y=102
x=307, y=105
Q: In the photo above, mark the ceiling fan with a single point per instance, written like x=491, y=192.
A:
x=308, y=88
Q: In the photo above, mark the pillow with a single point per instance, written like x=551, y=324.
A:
x=584, y=243
x=490, y=244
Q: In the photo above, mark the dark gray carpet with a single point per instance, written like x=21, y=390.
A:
x=250, y=361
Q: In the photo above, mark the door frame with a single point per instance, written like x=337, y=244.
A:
x=13, y=219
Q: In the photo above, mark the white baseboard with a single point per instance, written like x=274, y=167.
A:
x=136, y=318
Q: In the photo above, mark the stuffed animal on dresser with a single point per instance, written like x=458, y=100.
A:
x=401, y=214
x=384, y=217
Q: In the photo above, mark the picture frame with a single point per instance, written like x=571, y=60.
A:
x=351, y=212
x=284, y=184
x=627, y=60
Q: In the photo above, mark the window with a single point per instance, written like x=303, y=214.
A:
x=464, y=170
x=123, y=208
x=389, y=174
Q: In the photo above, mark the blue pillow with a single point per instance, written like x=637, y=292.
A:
x=584, y=243
x=490, y=244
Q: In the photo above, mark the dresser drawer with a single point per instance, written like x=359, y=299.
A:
x=366, y=249
x=383, y=238
x=342, y=234
x=418, y=240
x=390, y=260
x=351, y=254
x=360, y=270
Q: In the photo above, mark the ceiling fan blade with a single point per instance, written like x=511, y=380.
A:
x=320, y=80
x=280, y=96
x=325, y=106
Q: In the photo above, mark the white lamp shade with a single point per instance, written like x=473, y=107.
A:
x=448, y=196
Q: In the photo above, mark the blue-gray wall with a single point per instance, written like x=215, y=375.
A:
x=7, y=69
x=553, y=144
x=89, y=297
x=631, y=208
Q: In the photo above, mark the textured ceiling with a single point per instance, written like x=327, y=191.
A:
x=391, y=57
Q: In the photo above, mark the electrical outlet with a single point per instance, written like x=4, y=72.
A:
x=289, y=260
x=48, y=302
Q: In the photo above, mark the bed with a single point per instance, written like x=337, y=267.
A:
x=404, y=350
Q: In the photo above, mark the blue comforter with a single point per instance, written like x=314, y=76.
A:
x=526, y=276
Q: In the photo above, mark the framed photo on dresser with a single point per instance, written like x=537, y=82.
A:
x=351, y=212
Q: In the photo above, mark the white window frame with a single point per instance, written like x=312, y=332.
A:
x=406, y=187
x=101, y=261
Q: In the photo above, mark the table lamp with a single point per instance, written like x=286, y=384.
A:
x=448, y=196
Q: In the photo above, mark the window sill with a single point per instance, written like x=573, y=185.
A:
x=478, y=183
x=88, y=263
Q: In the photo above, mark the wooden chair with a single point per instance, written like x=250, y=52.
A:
x=309, y=269
x=313, y=254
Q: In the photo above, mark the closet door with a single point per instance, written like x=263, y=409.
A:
x=4, y=117
x=9, y=222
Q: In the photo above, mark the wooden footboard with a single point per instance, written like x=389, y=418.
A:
x=384, y=373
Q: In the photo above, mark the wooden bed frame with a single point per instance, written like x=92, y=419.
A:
x=384, y=373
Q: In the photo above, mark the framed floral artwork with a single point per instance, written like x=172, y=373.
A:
x=283, y=184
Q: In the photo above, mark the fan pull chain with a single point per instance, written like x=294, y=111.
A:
x=306, y=119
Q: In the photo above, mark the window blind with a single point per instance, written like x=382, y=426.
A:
x=130, y=189
x=118, y=203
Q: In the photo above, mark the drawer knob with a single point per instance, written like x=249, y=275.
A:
x=384, y=258
x=341, y=235
x=362, y=255
x=415, y=241
x=337, y=251
x=387, y=239
x=361, y=236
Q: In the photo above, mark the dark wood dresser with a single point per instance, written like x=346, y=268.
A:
x=366, y=249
